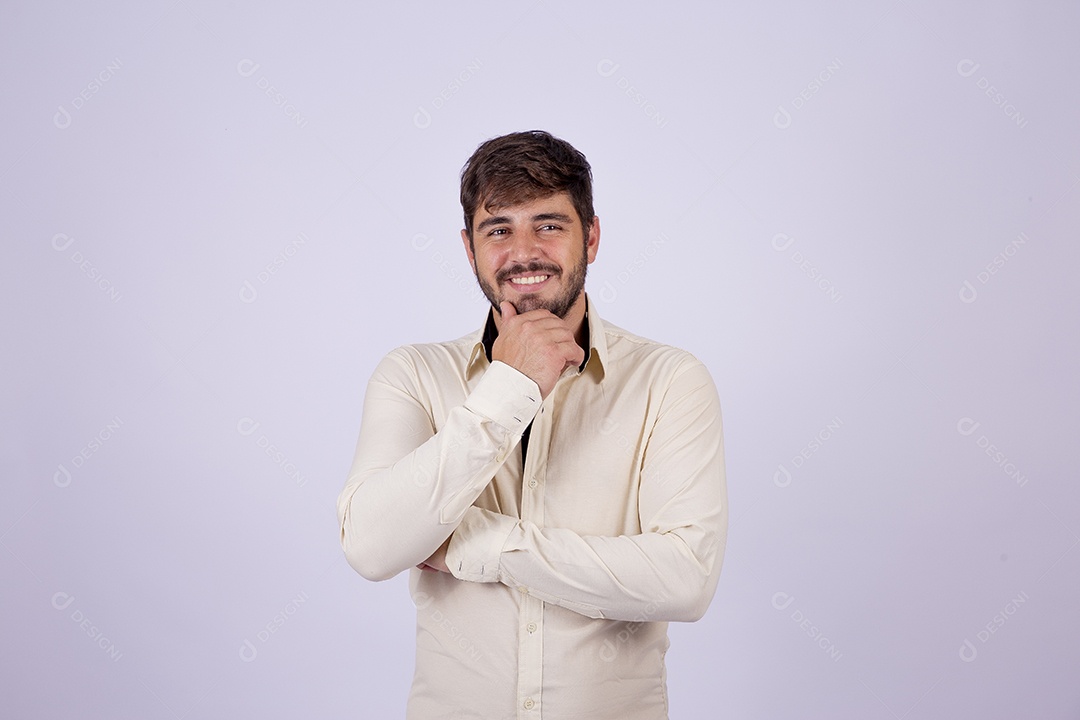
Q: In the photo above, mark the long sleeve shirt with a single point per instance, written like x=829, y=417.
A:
x=565, y=568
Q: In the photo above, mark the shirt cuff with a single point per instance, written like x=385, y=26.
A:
x=476, y=546
x=506, y=396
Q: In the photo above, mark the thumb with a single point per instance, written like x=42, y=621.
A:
x=507, y=309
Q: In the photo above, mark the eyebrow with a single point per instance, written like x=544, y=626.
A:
x=503, y=219
x=494, y=220
x=565, y=219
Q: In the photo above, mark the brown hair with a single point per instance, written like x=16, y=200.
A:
x=524, y=166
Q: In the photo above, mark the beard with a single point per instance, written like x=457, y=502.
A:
x=558, y=306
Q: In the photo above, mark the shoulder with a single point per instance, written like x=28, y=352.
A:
x=433, y=358
x=447, y=348
x=629, y=349
x=667, y=374
x=678, y=382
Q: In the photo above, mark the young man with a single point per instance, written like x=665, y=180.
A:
x=556, y=484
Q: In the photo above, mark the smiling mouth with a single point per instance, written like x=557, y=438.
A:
x=529, y=280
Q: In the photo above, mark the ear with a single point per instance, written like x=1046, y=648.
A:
x=468, y=248
x=592, y=243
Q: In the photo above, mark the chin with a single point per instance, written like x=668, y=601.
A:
x=527, y=304
x=559, y=306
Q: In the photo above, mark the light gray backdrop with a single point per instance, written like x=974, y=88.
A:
x=218, y=217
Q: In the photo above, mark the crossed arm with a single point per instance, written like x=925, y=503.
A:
x=411, y=488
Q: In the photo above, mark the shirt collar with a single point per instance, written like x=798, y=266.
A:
x=595, y=339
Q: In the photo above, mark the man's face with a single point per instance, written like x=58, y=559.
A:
x=534, y=254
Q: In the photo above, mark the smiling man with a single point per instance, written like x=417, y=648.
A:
x=554, y=484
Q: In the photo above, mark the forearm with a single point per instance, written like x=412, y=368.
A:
x=410, y=486
x=655, y=576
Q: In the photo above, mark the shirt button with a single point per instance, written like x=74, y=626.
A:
x=531, y=627
x=529, y=704
x=523, y=590
x=532, y=483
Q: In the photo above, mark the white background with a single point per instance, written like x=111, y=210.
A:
x=862, y=217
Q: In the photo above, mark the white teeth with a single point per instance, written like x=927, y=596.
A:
x=529, y=280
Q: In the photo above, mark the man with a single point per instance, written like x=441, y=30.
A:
x=555, y=483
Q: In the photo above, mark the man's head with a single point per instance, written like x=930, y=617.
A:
x=530, y=230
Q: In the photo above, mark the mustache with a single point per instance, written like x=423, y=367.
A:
x=536, y=268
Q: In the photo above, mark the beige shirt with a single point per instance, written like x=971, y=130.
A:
x=565, y=572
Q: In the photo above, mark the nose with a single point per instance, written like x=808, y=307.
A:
x=525, y=246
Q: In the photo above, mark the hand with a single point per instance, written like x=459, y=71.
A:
x=536, y=343
x=437, y=561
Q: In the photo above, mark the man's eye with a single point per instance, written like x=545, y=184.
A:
x=549, y=227
x=499, y=231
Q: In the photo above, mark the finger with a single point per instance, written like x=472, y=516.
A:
x=543, y=321
x=507, y=309
x=571, y=351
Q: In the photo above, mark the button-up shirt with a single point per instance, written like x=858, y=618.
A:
x=565, y=568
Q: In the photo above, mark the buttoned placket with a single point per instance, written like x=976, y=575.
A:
x=531, y=617
x=531, y=620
